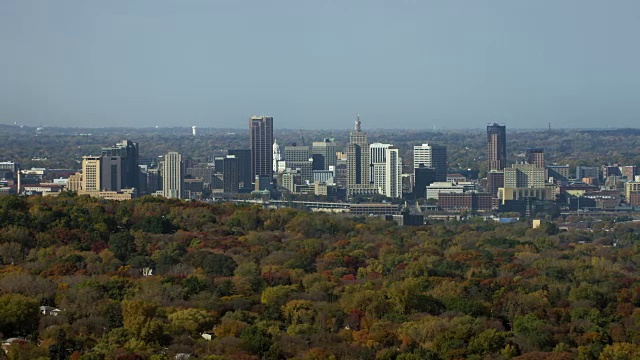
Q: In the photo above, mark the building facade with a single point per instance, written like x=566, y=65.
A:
x=559, y=173
x=524, y=176
x=470, y=201
x=324, y=154
x=535, y=156
x=299, y=157
x=433, y=156
x=583, y=172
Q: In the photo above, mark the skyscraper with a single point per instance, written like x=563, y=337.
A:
x=393, y=173
x=524, y=176
x=112, y=173
x=244, y=167
x=358, y=156
x=431, y=156
x=172, y=176
x=378, y=159
x=91, y=173
x=120, y=166
x=230, y=174
x=324, y=154
x=261, y=146
x=497, y=146
x=299, y=157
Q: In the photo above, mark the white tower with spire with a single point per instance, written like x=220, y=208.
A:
x=276, y=155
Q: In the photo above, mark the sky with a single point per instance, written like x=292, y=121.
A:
x=313, y=64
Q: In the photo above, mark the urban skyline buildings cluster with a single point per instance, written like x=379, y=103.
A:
x=361, y=171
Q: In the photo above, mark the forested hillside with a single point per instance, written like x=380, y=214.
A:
x=287, y=284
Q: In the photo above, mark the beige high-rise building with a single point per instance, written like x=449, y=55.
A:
x=91, y=173
x=524, y=176
x=172, y=176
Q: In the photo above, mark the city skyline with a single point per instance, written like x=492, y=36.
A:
x=448, y=65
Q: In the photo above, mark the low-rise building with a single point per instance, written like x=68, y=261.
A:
x=470, y=201
x=375, y=209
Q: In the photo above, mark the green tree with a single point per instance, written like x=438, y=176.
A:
x=19, y=315
x=122, y=245
x=276, y=295
x=141, y=320
x=218, y=265
x=191, y=320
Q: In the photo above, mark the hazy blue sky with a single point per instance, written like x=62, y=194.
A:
x=316, y=64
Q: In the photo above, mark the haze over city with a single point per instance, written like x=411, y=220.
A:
x=404, y=64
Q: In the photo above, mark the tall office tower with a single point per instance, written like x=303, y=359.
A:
x=129, y=175
x=230, y=174
x=422, y=177
x=261, y=146
x=524, y=176
x=244, y=167
x=535, y=156
x=433, y=156
x=172, y=176
x=378, y=159
x=299, y=157
x=91, y=173
x=497, y=146
x=358, y=157
x=112, y=173
x=277, y=156
x=393, y=173
x=324, y=154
